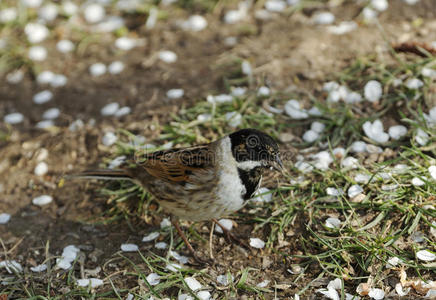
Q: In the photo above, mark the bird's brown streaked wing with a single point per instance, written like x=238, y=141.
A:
x=178, y=165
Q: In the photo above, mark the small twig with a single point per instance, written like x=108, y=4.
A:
x=210, y=241
x=13, y=248
x=421, y=49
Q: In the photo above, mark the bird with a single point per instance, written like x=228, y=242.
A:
x=202, y=182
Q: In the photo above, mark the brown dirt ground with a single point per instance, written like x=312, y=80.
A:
x=287, y=51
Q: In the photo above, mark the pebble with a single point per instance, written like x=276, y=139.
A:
x=13, y=118
x=42, y=200
x=41, y=169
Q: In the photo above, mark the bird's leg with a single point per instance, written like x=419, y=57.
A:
x=187, y=243
x=230, y=236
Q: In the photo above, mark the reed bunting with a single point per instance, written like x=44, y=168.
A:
x=202, y=182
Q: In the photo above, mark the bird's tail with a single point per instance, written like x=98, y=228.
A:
x=103, y=174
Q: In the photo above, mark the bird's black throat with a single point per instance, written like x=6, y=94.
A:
x=250, y=179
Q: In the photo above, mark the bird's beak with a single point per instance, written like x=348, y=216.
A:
x=277, y=164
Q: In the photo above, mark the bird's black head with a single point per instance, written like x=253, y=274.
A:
x=252, y=148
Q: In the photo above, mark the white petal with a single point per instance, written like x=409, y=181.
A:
x=373, y=91
x=397, y=132
x=175, y=93
x=94, y=13
x=193, y=283
x=333, y=223
x=150, y=237
x=94, y=282
x=4, y=218
x=42, y=97
x=97, y=69
x=129, y=247
x=109, y=139
x=432, y=171
x=414, y=83
x=42, y=200
x=425, y=255
x=41, y=169
x=226, y=223
x=13, y=118
x=310, y=136
x=161, y=245
x=39, y=268
x=153, y=279
x=417, y=181
x=354, y=190
x=257, y=243
x=376, y=294
x=167, y=56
